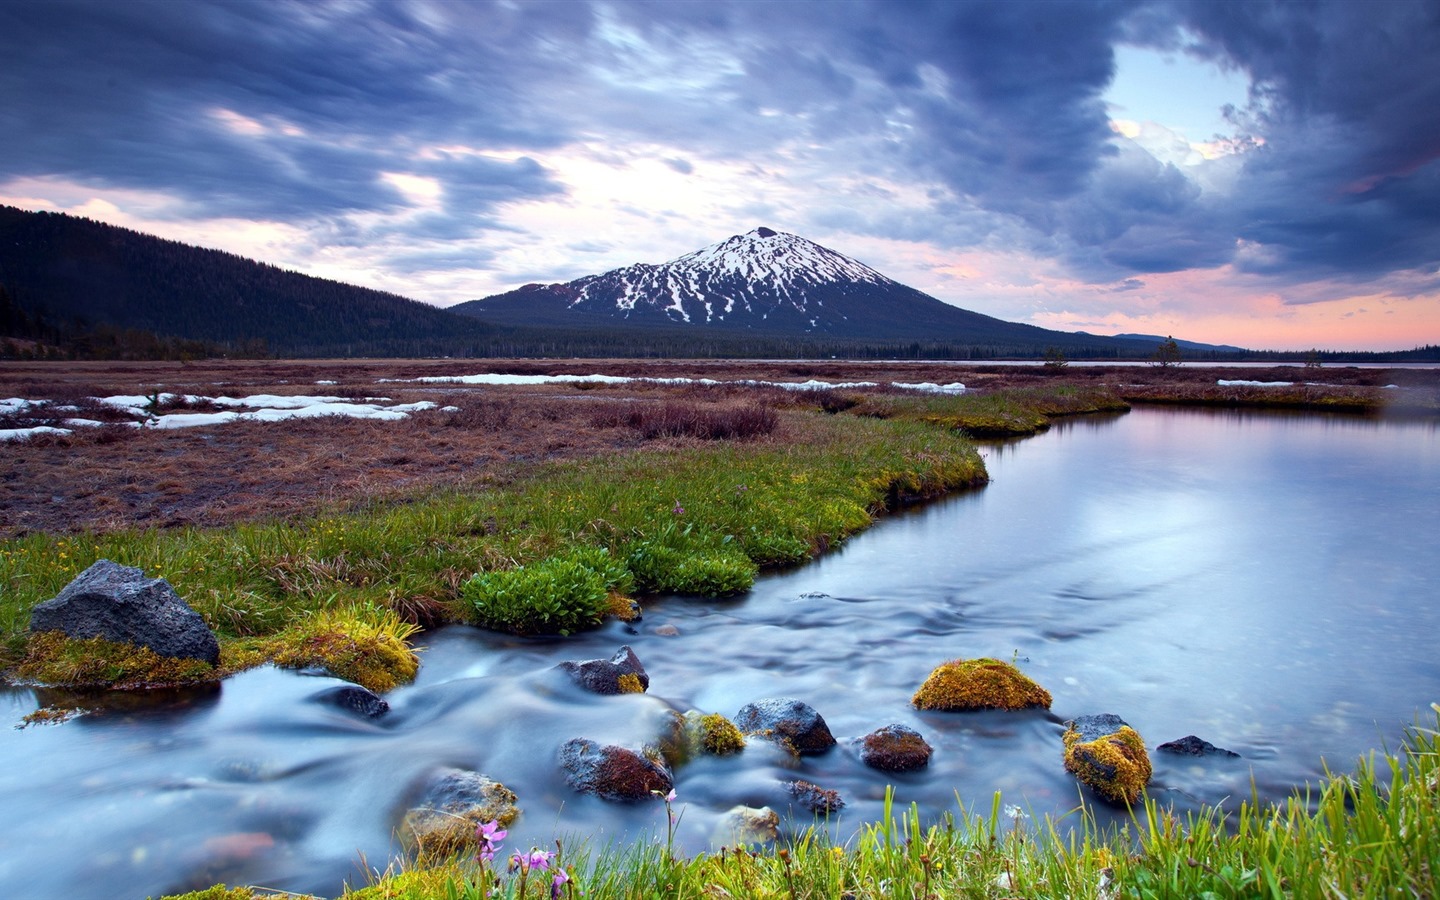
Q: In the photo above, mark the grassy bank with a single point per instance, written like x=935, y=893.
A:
x=1373, y=834
x=345, y=588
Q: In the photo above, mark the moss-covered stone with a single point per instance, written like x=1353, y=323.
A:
x=969, y=684
x=895, y=748
x=456, y=801
x=717, y=735
x=219, y=892
x=1108, y=756
x=372, y=653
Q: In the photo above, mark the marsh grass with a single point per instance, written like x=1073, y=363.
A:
x=1368, y=835
x=1010, y=413
x=711, y=422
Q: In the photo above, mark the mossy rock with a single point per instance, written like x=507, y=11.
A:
x=713, y=733
x=1108, y=756
x=895, y=748
x=443, y=824
x=53, y=659
x=970, y=684
x=218, y=892
x=374, y=653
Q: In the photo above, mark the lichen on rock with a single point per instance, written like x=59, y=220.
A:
x=1108, y=756
x=971, y=684
x=787, y=721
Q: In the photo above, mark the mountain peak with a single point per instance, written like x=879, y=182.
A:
x=775, y=260
x=762, y=280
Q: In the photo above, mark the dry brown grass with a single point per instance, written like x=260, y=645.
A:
x=118, y=477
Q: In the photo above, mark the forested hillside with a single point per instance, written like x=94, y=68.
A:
x=87, y=285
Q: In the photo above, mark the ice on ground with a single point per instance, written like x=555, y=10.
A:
x=1241, y=383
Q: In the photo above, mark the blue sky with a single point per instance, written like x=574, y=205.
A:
x=1263, y=174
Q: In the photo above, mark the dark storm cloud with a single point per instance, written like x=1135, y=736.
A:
x=256, y=109
x=298, y=111
x=1345, y=99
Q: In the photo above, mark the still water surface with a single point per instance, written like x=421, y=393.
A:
x=1268, y=582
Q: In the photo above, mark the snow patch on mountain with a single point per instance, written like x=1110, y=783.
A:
x=752, y=273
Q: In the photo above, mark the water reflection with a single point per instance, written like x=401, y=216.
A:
x=1267, y=582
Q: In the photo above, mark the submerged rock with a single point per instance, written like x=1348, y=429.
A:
x=747, y=825
x=969, y=684
x=815, y=798
x=620, y=674
x=353, y=698
x=613, y=773
x=453, y=803
x=118, y=603
x=788, y=721
x=895, y=748
x=1190, y=745
x=1108, y=756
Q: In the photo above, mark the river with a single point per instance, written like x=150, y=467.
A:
x=1269, y=582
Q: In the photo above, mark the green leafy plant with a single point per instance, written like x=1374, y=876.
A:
x=559, y=595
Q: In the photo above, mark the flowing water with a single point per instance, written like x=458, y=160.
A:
x=1268, y=582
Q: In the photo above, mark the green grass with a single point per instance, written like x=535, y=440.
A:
x=1372, y=834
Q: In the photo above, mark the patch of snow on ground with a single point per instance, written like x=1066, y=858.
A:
x=23, y=434
x=259, y=408
x=931, y=387
x=494, y=378
x=812, y=385
x=1241, y=383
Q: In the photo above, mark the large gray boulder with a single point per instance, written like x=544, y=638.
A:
x=118, y=603
x=787, y=721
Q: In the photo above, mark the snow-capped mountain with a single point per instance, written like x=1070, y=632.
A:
x=744, y=277
x=764, y=281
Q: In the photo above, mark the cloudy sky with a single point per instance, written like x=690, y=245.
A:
x=1263, y=174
